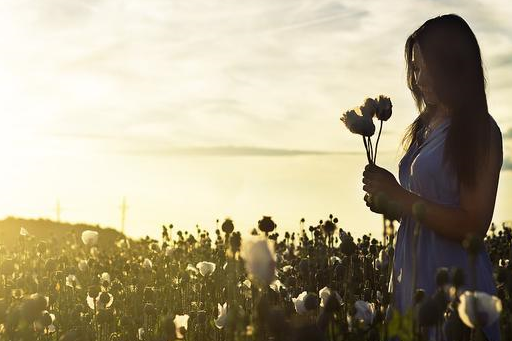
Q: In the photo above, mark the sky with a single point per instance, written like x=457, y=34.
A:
x=201, y=110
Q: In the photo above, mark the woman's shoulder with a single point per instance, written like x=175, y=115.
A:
x=496, y=138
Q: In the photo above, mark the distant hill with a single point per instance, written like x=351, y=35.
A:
x=45, y=229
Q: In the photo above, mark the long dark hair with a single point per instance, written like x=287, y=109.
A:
x=452, y=55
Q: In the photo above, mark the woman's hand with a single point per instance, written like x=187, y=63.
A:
x=379, y=180
x=371, y=203
x=383, y=192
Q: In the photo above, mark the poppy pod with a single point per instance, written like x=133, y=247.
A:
x=311, y=301
x=329, y=227
x=266, y=224
x=227, y=226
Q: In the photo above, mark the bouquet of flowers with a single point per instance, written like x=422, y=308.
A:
x=360, y=121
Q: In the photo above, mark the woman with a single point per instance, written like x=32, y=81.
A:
x=451, y=164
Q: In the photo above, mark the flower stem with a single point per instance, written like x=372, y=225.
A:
x=367, y=151
x=377, y=143
x=370, y=145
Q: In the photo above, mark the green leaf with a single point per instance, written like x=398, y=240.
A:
x=401, y=325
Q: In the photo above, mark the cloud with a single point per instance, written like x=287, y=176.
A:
x=508, y=134
x=143, y=146
x=222, y=72
x=230, y=151
x=507, y=164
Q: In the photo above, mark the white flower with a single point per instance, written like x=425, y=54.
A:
x=192, y=269
x=488, y=308
x=298, y=301
x=95, y=252
x=49, y=329
x=147, y=264
x=23, y=232
x=100, y=304
x=277, y=285
x=221, y=320
x=72, y=281
x=384, y=108
x=358, y=124
x=365, y=313
x=181, y=321
x=260, y=260
x=89, y=237
x=335, y=260
x=324, y=295
x=122, y=244
x=287, y=268
x=140, y=333
x=82, y=265
x=245, y=288
x=206, y=268
x=105, y=277
x=378, y=264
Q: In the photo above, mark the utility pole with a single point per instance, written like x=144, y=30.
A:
x=57, y=211
x=123, y=214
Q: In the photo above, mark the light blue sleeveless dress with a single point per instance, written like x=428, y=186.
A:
x=421, y=171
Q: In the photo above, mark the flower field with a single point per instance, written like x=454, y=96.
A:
x=316, y=284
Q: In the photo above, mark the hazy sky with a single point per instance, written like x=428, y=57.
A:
x=196, y=110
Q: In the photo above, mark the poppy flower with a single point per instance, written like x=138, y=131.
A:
x=478, y=308
x=221, y=320
x=260, y=260
x=206, y=268
x=298, y=302
x=358, y=124
x=90, y=238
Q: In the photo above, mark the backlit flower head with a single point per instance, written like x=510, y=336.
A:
x=384, y=108
x=358, y=124
x=260, y=260
x=369, y=108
